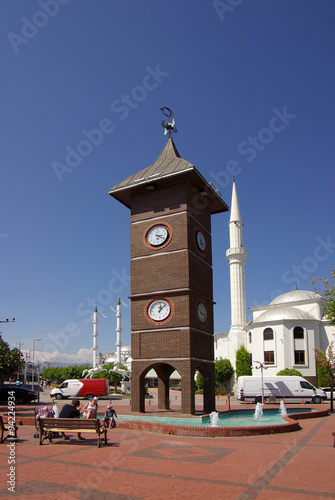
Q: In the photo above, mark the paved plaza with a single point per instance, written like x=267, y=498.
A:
x=145, y=465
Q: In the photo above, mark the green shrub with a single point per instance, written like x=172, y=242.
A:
x=223, y=372
x=289, y=372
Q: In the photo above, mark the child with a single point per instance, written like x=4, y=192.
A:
x=55, y=409
x=109, y=418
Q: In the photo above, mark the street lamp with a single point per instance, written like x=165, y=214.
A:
x=261, y=367
x=332, y=389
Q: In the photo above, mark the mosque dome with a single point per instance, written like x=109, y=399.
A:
x=284, y=313
x=295, y=296
x=111, y=359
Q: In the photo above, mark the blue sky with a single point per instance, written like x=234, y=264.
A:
x=251, y=85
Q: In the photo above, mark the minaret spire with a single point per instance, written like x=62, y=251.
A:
x=95, y=336
x=237, y=255
x=118, y=332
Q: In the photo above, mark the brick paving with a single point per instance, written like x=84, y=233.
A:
x=144, y=465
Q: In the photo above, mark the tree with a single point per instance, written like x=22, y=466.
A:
x=289, y=372
x=75, y=371
x=327, y=364
x=242, y=362
x=199, y=381
x=11, y=360
x=323, y=378
x=223, y=372
x=59, y=374
x=326, y=288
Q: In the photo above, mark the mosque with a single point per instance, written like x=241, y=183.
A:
x=282, y=334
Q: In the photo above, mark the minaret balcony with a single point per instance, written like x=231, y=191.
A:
x=238, y=252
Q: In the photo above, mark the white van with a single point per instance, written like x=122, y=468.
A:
x=85, y=388
x=288, y=388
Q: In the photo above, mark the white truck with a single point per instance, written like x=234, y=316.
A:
x=288, y=388
x=84, y=388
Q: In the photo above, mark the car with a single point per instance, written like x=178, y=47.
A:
x=326, y=390
x=22, y=395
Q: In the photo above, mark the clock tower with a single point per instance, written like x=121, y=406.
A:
x=171, y=277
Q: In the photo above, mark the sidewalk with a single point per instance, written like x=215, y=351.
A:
x=143, y=465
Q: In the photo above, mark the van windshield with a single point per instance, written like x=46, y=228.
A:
x=63, y=385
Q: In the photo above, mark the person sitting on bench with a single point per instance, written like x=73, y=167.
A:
x=71, y=411
x=91, y=408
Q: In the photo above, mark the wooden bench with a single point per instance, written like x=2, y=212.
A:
x=49, y=425
x=11, y=429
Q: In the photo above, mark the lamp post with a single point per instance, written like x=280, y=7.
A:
x=33, y=369
x=261, y=367
x=332, y=389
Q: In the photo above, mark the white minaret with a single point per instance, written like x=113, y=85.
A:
x=236, y=255
x=118, y=332
x=95, y=336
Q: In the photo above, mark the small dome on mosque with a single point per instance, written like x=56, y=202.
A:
x=110, y=359
x=282, y=314
x=295, y=296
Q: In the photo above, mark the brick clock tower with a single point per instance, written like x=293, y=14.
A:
x=171, y=277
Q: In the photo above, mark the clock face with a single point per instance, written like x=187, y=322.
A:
x=201, y=242
x=157, y=235
x=159, y=310
x=202, y=312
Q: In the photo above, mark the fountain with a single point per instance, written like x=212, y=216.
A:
x=282, y=409
x=258, y=412
x=214, y=416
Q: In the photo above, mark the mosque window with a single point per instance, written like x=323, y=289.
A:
x=298, y=332
x=269, y=357
x=268, y=334
x=299, y=357
x=250, y=338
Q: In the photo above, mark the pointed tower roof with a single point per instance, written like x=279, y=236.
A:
x=168, y=165
x=234, y=209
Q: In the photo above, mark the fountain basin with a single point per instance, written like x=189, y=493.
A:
x=288, y=423
x=180, y=427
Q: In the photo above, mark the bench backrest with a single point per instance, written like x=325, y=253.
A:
x=70, y=423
